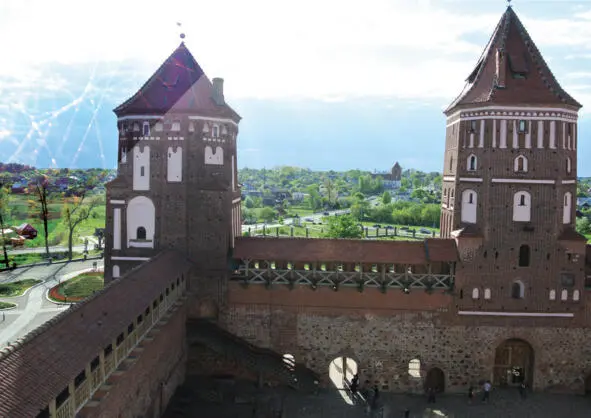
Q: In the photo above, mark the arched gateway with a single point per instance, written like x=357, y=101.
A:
x=341, y=371
x=514, y=363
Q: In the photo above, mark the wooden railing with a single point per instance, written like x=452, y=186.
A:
x=94, y=379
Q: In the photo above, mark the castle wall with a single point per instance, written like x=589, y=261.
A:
x=145, y=388
x=382, y=333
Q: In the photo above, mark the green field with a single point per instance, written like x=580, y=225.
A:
x=22, y=211
x=16, y=288
x=6, y=305
x=78, y=288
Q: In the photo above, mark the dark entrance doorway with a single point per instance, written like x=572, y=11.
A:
x=435, y=379
x=514, y=363
x=588, y=385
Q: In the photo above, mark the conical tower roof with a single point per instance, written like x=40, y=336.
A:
x=179, y=83
x=511, y=71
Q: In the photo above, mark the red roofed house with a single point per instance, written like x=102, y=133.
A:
x=27, y=231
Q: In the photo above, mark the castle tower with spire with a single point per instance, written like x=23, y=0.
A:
x=176, y=184
x=509, y=186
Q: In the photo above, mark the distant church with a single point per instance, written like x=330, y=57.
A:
x=391, y=179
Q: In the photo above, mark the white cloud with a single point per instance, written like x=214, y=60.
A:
x=330, y=49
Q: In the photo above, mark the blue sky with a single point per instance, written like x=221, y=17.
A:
x=322, y=84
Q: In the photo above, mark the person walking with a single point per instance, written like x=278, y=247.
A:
x=486, y=391
x=430, y=395
x=470, y=394
x=355, y=384
x=523, y=390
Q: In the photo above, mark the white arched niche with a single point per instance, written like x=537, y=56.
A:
x=141, y=218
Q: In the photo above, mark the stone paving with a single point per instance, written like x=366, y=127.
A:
x=33, y=309
x=239, y=399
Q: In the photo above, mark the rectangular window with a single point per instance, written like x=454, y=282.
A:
x=522, y=126
x=142, y=171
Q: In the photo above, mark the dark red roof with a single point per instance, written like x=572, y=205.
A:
x=180, y=83
x=36, y=369
x=345, y=250
x=533, y=83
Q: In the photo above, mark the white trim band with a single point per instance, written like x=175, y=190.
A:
x=521, y=111
x=569, y=181
x=471, y=179
x=529, y=118
x=449, y=178
x=128, y=117
x=222, y=120
x=131, y=258
x=523, y=181
x=237, y=200
x=528, y=314
x=117, y=202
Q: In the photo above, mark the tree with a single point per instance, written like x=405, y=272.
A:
x=268, y=214
x=584, y=226
x=386, y=198
x=75, y=212
x=4, y=207
x=248, y=202
x=41, y=195
x=343, y=226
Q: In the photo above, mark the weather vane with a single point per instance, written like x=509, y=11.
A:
x=182, y=35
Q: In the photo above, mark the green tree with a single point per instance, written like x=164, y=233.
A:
x=583, y=226
x=249, y=203
x=344, y=226
x=75, y=212
x=4, y=210
x=268, y=214
x=386, y=198
x=42, y=195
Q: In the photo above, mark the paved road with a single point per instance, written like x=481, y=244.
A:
x=75, y=248
x=33, y=309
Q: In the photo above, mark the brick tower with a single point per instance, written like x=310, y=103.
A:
x=509, y=185
x=176, y=184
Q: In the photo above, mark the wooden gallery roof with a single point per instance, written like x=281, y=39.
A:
x=346, y=250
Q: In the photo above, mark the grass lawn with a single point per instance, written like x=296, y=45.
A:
x=6, y=305
x=78, y=288
x=22, y=211
x=17, y=288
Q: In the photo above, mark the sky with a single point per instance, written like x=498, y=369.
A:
x=359, y=73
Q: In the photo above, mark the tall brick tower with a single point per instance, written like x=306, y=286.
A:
x=509, y=186
x=176, y=184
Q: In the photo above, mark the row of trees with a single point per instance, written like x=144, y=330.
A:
x=75, y=209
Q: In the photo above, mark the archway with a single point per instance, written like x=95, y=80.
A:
x=340, y=371
x=435, y=379
x=514, y=363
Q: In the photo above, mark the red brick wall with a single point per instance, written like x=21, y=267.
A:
x=145, y=388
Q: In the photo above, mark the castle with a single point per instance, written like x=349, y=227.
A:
x=501, y=295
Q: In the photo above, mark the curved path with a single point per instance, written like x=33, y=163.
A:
x=33, y=308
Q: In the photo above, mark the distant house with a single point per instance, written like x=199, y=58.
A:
x=27, y=231
x=584, y=202
x=18, y=188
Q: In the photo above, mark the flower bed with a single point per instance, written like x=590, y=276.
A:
x=77, y=288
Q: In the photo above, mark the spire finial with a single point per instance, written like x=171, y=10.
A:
x=508, y=3
x=182, y=35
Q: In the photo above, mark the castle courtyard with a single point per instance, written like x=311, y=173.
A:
x=229, y=398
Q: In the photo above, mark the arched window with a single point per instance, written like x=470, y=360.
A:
x=568, y=165
x=517, y=290
x=520, y=164
x=524, y=254
x=469, y=206
x=414, y=368
x=146, y=129
x=451, y=162
x=215, y=131
x=487, y=294
x=552, y=294
x=564, y=294
x=475, y=293
x=116, y=271
x=136, y=127
x=141, y=233
x=176, y=125
x=472, y=162
x=567, y=210
x=576, y=295
x=522, y=207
